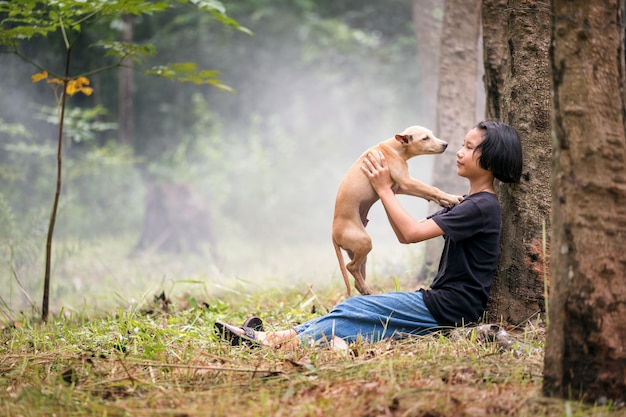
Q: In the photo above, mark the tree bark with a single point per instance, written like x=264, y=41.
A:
x=585, y=356
x=495, y=54
x=518, y=91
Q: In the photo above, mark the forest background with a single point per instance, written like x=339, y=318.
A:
x=172, y=188
x=313, y=86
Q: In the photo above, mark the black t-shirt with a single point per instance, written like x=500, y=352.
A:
x=460, y=290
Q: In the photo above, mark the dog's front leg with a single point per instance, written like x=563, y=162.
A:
x=416, y=188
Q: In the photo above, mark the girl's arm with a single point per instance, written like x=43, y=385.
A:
x=406, y=228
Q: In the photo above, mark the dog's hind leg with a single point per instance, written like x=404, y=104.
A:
x=357, y=267
x=342, y=266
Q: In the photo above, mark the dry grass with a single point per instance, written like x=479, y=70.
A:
x=165, y=360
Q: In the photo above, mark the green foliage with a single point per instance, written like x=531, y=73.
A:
x=312, y=92
x=18, y=235
x=188, y=72
x=28, y=19
x=101, y=181
x=244, y=177
x=68, y=17
x=81, y=124
x=26, y=171
x=218, y=10
x=102, y=193
x=303, y=69
x=20, y=248
x=126, y=50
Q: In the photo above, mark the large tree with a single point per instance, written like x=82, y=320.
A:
x=585, y=356
x=516, y=37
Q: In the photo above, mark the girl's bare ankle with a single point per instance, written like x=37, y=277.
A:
x=280, y=339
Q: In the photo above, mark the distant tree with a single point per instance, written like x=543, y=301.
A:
x=516, y=39
x=27, y=19
x=126, y=91
x=585, y=357
x=427, y=22
x=458, y=77
x=456, y=102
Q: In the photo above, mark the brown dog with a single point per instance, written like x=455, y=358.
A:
x=356, y=196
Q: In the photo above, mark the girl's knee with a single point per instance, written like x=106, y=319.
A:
x=351, y=303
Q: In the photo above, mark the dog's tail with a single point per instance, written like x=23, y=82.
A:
x=342, y=267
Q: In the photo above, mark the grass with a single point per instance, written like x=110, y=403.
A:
x=162, y=359
x=150, y=350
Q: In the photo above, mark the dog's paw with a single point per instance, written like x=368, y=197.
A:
x=363, y=288
x=449, y=200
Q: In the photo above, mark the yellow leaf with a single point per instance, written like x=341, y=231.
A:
x=71, y=88
x=39, y=76
x=55, y=81
x=78, y=85
x=82, y=81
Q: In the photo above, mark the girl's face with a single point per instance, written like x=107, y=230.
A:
x=467, y=156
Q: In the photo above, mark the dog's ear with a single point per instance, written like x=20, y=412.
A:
x=404, y=139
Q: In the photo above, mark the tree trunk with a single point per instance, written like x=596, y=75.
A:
x=176, y=219
x=456, y=104
x=585, y=356
x=126, y=114
x=427, y=16
x=495, y=54
x=518, y=91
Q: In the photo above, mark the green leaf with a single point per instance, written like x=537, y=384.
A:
x=189, y=72
x=230, y=22
x=217, y=9
x=10, y=36
x=209, y=5
x=25, y=19
x=124, y=49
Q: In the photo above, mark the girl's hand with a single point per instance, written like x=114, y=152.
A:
x=377, y=171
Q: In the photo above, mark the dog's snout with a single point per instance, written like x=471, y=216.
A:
x=445, y=145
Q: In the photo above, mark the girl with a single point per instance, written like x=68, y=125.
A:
x=460, y=290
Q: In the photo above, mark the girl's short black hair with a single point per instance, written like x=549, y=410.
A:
x=500, y=151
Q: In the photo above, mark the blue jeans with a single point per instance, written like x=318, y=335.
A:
x=371, y=318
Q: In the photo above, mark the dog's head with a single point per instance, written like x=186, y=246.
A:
x=417, y=140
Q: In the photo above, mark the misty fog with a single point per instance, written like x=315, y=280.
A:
x=270, y=201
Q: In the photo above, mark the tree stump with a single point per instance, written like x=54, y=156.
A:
x=176, y=220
